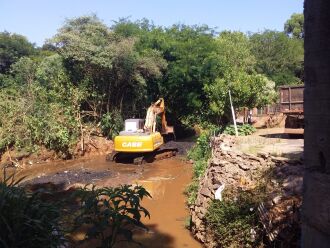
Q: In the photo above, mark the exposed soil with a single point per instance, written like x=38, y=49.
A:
x=93, y=146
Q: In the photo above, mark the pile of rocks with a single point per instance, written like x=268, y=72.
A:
x=238, y=170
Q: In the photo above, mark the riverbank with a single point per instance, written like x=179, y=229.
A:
x=261, y=191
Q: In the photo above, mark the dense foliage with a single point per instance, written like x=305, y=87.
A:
x=93, y=75
x=234, y=221
x=279, y=57
x=26, y=220
x=39, y=106
x=294, y=27
x=13, y=47
x=40, y=219
x=199, y=153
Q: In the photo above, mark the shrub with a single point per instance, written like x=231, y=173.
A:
x=243, y=130
x=200, y=153
x=111, y=124
x=234, y=221
x=26, y=220
x=111, y=208
x=201, y=149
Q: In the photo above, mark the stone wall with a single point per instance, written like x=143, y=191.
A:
x=242, y=171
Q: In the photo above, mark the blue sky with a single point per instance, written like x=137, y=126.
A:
x=40, y=19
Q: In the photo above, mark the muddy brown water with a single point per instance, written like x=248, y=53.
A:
x=165, y=180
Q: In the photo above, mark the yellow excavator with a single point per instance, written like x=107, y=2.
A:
x=140, y=141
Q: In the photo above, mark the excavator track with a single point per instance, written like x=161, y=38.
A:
x=141, y=158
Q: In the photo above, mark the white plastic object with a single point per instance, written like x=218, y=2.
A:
x=218, y=192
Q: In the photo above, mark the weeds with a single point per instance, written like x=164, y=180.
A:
x=191, y=191
x=26, y=220
x=234, y=221
x=243, y=130
x=200, y=153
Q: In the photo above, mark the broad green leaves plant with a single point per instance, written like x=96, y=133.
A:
x=243, y=130
x=111, y=209
x=111, y=124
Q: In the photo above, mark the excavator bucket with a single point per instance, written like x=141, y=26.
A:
x=168, y=134
x=168, y=130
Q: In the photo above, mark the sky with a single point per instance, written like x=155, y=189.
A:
x=39, y=20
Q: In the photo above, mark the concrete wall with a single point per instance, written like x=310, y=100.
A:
x=316, y=197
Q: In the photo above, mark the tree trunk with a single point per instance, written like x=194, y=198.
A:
x=316, y=198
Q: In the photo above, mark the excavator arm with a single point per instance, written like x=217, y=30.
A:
x=155, y=109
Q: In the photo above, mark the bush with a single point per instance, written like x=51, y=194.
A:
x=117, y=208
x=200, y=153
x=26, y=220
x=39, y=220
x=201, y=149
x=243, y=130
x=111, y=124
x=234, y=221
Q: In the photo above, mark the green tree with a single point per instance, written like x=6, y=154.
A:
x=13, y=47
x=189, y=52
x=39, y=107
x=107, y=64
x=294, y=27
x=236, y=73
x=278, y=57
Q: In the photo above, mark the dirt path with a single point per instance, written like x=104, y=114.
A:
x=278, y=142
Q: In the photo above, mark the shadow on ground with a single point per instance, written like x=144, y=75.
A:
x=284, y=135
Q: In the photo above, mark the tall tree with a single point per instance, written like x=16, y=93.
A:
x=189, y=52
x=278, y=57
x=237, y=74
x=294, y=27
x=13, y=47
x=108, y=64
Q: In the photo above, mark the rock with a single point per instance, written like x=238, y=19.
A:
x=276, y=199
x=253, y=157
x=263, y=155
x=279, y=159
x=244, y=166
x=200, y=237
x=215, y=185
x=205, y=192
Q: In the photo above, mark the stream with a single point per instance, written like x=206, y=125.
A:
x=165, y=180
